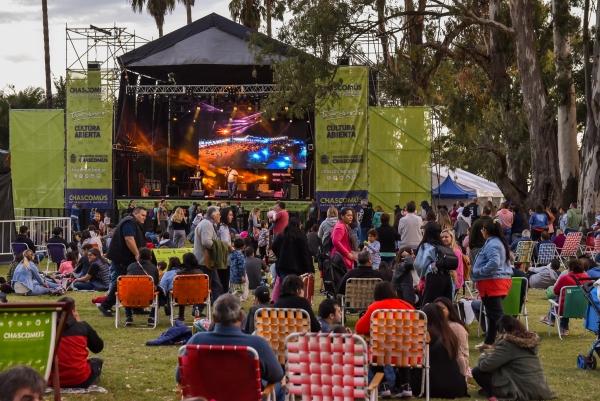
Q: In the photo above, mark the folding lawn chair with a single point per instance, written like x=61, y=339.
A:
x=136, y=292
x=592, y=246
x=30, y=336
x=399, y=338
x=570, y=247
x=17, y=248
x=359, y=295
x=190, y=289
x=275, y=324
x=308, y=280
x=328, y=366
x=206, y=371
x=57, y=252
x=511, y=304
x=524, y=252
x=574, y=306
x=546, y=254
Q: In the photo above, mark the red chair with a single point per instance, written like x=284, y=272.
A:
x=308, y=280
x=221, y=372
x=190, y=289
x=136, y=292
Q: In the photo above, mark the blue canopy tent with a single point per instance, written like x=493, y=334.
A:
x=451, y=190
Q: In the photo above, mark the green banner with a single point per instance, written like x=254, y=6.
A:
x=27, y=338
x=89, y=142
x=341, y=140
x=163, y=254
x=399, y=156
x=37, y=150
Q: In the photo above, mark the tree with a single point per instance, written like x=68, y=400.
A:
x=157, y=9
x=188, y=9
x=568, y=155
x=47, y=53
x=247, y=12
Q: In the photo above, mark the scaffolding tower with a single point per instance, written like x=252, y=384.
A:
x=99, y=48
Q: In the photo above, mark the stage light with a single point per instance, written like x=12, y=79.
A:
x=174, y=118
x=230, y=119
x=234, y=109
x=173, y=178
x=286, y=108
x=197, y=108
x=264, y=177
x=249, y=108
x=291, y=120
x=272, y=118
x=194, y=121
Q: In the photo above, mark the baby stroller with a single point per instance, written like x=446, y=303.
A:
x=332, y=271
x=592, y=323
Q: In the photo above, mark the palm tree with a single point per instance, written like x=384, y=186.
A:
x=157, y=9
x=47, y=54
x=247, y=12
x=188, y=8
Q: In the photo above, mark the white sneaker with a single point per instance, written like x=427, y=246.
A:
x=404, y=394
x=384, y=391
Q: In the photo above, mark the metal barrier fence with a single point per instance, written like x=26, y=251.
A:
x=40, y=230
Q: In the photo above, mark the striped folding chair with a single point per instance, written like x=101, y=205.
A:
x=308, y=280
x=592, y=246
x=322, y=367
x=524, y=252
x=570, y=248
x=275, y=324
x=546, y=254
x=399, y=338
x=359, y=295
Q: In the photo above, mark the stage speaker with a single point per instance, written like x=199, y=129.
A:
x=266, y=194
x=197, y=193
x=172, y=190
x=221, y=193
x=294, y=191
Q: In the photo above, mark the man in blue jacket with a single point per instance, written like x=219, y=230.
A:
x=228, y=317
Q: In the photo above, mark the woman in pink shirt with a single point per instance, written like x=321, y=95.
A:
x=506, y=218
x=340, y=237
x=458, y=275
x=68, y=265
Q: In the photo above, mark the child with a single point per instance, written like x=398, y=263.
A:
x=67, y=266
x=238, y=282
x=261, y=300
x=373, y=246
x=162, y=268
x=263, y=239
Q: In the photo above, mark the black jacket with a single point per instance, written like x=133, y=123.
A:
x=23, y=238
x=387, y=238
x=359, y=272
x=118, y=252
x=294, y=301
x=293, y=256
x=403, y=280
x=476, y=239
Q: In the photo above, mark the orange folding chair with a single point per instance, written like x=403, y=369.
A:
x=308, y=279
x=190, y=289
x=136, y=292
x=275, y=324
x=399, y=338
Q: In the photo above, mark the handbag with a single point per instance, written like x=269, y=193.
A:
x=445, y=258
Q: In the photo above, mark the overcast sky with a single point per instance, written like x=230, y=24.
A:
x=21, y=39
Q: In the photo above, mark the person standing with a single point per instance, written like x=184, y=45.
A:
x=327, y=225
x=492, y=274
x=162, y=215
x=232, y=176
x=340, y=238
x=387, y=237
x=438, y=281
x=538, y=222
x=75, y=214
x=506, y=218
x=226, y=235
x=476, y=239
x=179, y=224
x=205, y=237
x=366, y=222
x=574, y=219
x=281, y=218
x=409, y=228
x=124, y=249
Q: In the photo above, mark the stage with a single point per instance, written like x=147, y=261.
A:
x=299, y=206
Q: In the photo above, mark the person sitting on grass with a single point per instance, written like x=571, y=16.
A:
x=67, y=266
x=143, y=267
x=460, y=332
x=74, y=367
x=228, y=316
x=292, y=296
x=97, y=277
x=512, y=369
x=21, y=383
x=262, y=299
x=330, y=315
x=543, y=277
x=27, y=280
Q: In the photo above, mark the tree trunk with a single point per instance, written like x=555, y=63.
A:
x=47, y=54
x=382, y=32
x=589, y=184
x=416, y=27
x=545, y=175
x=269, y=7
x=568, y=156
x=188, y=10
x=160, y=30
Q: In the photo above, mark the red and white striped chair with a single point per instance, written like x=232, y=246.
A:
x=329, y=367
x=308, y=280
x=592, y=246
x=570, y=248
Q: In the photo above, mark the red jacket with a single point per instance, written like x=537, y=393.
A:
x=73, y=366
x=565, y=280
x=340, y=238
x=363, y=325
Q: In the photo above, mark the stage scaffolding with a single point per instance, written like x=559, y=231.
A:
x=99, y=47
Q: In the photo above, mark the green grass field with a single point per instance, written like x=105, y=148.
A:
x=133, y=371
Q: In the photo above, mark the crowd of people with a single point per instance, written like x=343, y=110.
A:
x=423, y=258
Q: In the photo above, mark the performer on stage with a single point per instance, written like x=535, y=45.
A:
x=232, y=176
x=198, y=175
x=287, y=183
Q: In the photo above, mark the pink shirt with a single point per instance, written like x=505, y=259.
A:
x=506, y=218
x=281, y=221
x=66, y=267
x=340, y=239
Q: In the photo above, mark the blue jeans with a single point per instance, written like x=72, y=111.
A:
x=231, y=188
x=90, y=286
x=75, y=223
x=41, y=290
x=363, y=234
x=116, y=270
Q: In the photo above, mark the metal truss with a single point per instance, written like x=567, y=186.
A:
x=247, y=89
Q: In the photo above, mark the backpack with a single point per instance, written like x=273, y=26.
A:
x=445, y=258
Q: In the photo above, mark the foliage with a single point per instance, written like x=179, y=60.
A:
x=158, y=9
x=10, y=98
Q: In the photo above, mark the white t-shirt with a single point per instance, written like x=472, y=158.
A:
x=232, y=176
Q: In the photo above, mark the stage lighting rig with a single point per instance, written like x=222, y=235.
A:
x=171, y=78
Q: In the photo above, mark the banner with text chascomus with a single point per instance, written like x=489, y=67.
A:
x=341, y=140
x=89, y=142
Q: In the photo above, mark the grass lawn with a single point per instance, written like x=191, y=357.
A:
x=133, y=371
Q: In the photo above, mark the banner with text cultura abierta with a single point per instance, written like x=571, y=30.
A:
x=89, y=142
x=341, y=140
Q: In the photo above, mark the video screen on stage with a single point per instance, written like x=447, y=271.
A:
x=240, y=137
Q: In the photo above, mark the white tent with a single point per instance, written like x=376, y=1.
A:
x=485, y=190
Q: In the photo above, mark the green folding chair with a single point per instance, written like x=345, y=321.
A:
x=511, y=304
x=574, y=306
x=29, y=335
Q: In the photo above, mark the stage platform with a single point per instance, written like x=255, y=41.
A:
x=248, y=204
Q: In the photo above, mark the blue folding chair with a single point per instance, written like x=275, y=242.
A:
x=17, y=248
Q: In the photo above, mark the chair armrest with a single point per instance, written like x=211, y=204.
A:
x=269, y=389
x=376, y=381
x=553, y=302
